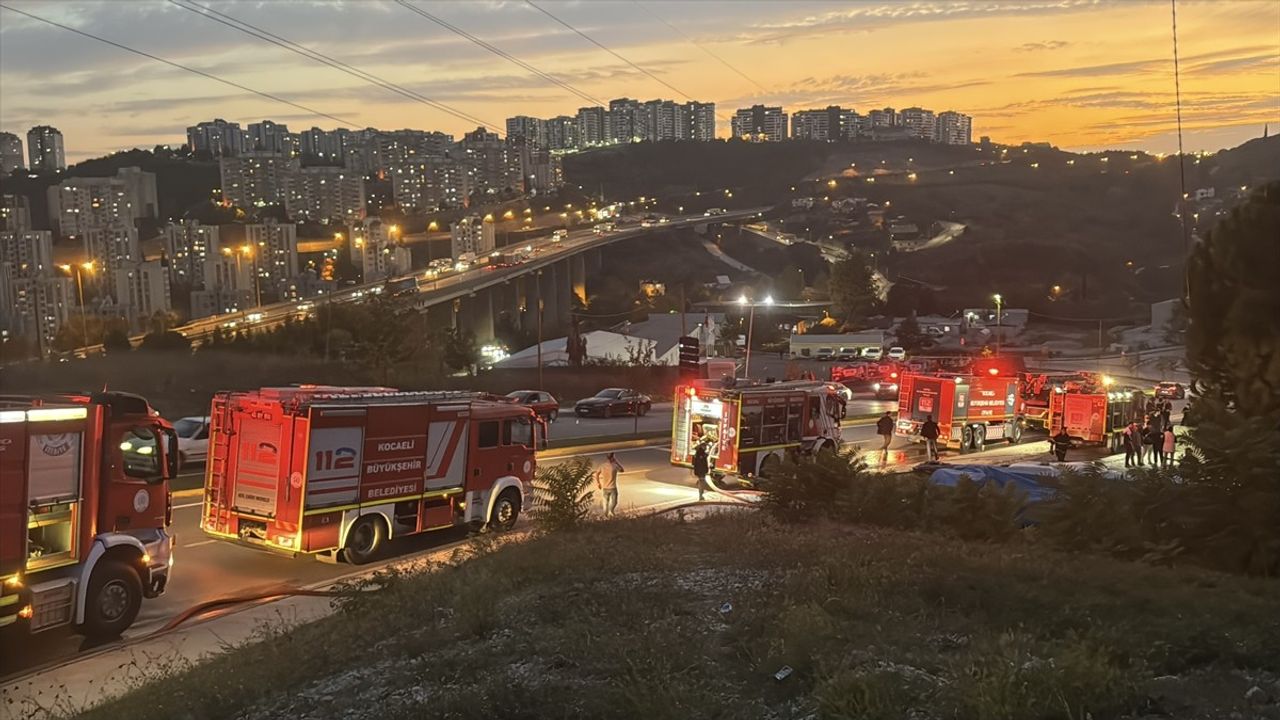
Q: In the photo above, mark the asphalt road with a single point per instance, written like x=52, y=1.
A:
x=206, y=569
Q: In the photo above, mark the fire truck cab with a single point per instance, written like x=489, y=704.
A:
x=970, y=409
x=751, y=427
x=328, y=470
x=84, y=510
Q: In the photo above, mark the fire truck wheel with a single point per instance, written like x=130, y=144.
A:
x=364, y=540
x=966, y=438
x=113, y=601
x=979, y=437
x=1015, y=432
x=505, y=511
x=768, y=466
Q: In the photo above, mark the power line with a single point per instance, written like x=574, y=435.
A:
x=500, y=53
x=293, y=47
x=593, y=41
x=180, y=66
x=700, y=46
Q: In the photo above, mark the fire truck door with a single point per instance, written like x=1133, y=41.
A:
x=134, y=490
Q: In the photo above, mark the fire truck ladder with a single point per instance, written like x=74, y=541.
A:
x=216, y=465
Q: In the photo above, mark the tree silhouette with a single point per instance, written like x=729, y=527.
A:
x=852, y=290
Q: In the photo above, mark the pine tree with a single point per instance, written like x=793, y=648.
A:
x=852, y=290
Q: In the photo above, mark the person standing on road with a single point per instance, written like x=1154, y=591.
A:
x=1061, y=444
x=1129, y=432
x=1166, y=455
x=607, y=482
x=884, y=428
x=701, y=467
x=929, y=431
x=1153, y=437
x=1166, y=411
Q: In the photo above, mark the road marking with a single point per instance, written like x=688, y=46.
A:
x=660, y=448
x=198, y=544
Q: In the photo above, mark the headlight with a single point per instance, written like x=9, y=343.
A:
x=876, y=387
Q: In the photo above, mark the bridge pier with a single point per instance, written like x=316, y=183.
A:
x=578, y=277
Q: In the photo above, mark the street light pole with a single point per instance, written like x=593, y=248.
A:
x=999, y=328
x=751, y=324
x=84, y=321
x=538, y=289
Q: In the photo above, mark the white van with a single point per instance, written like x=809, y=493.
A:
x=872, y=353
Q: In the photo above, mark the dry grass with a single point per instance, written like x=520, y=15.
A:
x=625, y=620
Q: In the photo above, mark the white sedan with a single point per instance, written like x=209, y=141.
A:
x=193, y=439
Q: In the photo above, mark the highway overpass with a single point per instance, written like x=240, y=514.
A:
x=553, y=273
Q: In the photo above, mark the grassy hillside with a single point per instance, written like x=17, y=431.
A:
x=659, y=618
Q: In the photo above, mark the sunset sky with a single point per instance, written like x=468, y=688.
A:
x=1082, y=74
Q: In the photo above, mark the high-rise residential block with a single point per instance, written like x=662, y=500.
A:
x=188, y=245
x=10, y=153
x=215, y=139
x=256, y=180
x=35, y=307
x=142, y=291
x=325, y=193
x=110, y=248
x=472, y=235
x=27, y=252
x=15, y=213
x=919, y=122
x=44, y=148
x=883, y=118
x=623, y=123
x=78, y=204
x=760, y=123
x=593, y=128
x=562, y=133
x=271, y=138
x=324, y=147
x=274, y=254
x=700, y=123
x=531, y=131
x=954, y=128
x=383, y=254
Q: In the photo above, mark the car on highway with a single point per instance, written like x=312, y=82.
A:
x=885, y=390
x=559, y=235
x=193, y=439
x=897, y=353
x=872, y=353
x=613, y=401
x=713, y=211
x=542, y=403
x=1170, y=390
x=824, y=354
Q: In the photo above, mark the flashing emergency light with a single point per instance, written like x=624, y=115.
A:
x=993, y=371
x=893, y=374
x=958, y=380
x=1107, y=380
x=693, y=392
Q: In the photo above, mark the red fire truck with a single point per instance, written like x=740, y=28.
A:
x=751, y=427
x=84, y=510
x=969, y=409
x=318, y=469
x=1094, y=412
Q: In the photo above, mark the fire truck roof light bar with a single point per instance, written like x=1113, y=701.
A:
x=52, y=414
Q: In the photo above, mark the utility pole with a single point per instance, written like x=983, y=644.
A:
x=538, y=283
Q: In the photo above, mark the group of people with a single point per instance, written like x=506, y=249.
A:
x=606, y=476
x=1153, y=440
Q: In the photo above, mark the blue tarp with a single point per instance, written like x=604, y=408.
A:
x=1030, y=480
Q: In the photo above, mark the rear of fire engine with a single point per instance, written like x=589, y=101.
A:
x=970, y=409
x=335, y=470
x=1093, y=411
x=749, y=429
x=84, y=511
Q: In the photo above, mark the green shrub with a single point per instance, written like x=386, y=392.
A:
x=973, y=511
x=808, y=488
x=561, y=494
